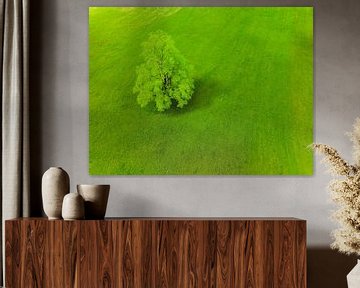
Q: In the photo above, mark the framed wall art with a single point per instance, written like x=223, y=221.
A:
x=200, y=90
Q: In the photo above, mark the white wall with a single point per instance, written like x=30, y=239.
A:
x=59, y=94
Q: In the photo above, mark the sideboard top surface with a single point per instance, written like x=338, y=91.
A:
x=174, y=219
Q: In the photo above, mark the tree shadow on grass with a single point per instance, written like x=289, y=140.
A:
x=202, y=97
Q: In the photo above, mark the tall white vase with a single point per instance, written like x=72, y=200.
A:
x=55, y=185
x=353, y=278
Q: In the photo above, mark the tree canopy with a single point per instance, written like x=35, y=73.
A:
x=164, y=78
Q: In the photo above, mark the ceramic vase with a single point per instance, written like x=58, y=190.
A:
x=73, y=207
x=55, y=185
x=353, y=278
x=96, y=198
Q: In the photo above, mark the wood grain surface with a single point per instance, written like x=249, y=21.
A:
x=159, y=252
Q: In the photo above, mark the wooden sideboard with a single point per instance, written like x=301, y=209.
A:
x=156, y=252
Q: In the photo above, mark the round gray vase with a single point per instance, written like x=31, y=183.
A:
x=73, y=207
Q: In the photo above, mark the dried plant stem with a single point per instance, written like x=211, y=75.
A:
x=355, y=138
x=337, y=165
x=345, y=192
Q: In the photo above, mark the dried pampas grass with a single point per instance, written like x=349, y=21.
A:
x=345, y=192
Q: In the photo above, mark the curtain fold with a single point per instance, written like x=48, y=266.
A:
x=15, y=162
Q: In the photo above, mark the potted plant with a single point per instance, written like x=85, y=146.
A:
x=345, y=192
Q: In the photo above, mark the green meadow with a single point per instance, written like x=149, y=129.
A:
x=252, y=108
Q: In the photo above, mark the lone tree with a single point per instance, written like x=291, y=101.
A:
x=165, y=76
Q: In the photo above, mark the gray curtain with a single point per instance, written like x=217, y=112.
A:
x=14, y=38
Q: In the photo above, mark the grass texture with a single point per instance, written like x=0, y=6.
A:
x=252, y=108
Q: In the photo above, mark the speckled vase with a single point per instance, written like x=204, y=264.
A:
x=73, y=207
x=96, y=198
x=55, y=185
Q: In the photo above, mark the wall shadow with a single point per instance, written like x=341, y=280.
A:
x=328, y=268
x=35, y=64
x=137, y=206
